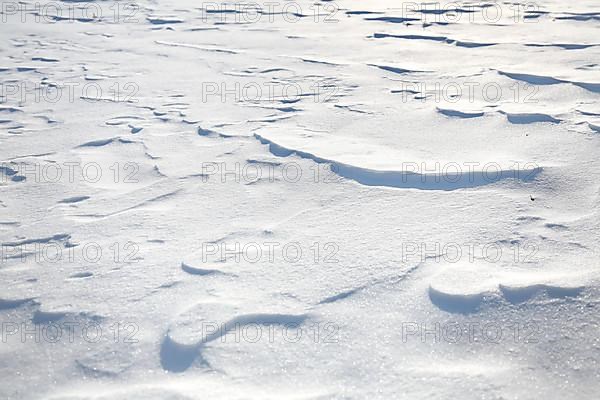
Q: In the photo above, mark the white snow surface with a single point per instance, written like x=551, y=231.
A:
x=300, y=200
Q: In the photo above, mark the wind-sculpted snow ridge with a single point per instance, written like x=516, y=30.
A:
x=299, y=200
x=186, y=339
x=471, y=288
x=548, y=80
x=469, y=303
x=406, y=179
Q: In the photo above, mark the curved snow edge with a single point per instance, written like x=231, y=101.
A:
x=407, y=179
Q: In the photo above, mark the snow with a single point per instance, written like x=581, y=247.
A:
x=303, y=200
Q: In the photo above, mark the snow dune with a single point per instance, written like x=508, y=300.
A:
x=303, y=200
